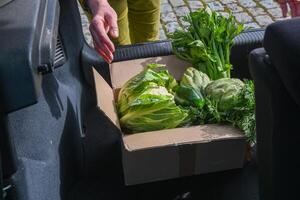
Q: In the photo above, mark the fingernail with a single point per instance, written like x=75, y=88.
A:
x=116, y=33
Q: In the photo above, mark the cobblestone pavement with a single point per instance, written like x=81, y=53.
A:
x=85, y=27
x=253, y=13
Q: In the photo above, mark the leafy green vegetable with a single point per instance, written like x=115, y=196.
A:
x=243, y=115
x=195, y=79
x=237, y=107
x=154, y=74
x=152, y=100
x=187, y=96
x=146, y=101
x=207, y=41
x=225, y=92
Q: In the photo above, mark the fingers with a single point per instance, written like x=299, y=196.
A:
x=112, y=23
x=102, y=53
x=104, y=22
x=104, y=45
x=101, y=48
x=98, y=27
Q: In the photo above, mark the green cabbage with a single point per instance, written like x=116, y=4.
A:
x=146, y=101
x=195, y=79
x=154, y=74
x=231, y=100
x=225, y=92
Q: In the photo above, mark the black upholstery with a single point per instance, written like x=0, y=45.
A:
x=275, y=71
x=1, y=178
x=282, y=43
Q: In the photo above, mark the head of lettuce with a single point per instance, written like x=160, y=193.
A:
x=146, y=101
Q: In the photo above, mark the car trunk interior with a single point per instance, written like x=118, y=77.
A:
x=55, y=146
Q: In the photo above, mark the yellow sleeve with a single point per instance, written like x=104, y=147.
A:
x=86, y=9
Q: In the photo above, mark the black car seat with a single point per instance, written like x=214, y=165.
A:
x=276, y=73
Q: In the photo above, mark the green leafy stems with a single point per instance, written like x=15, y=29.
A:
x=206, y=42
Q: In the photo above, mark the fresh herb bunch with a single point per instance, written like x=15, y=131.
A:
x=243, y=115
x=240, y=115
x=206, y=42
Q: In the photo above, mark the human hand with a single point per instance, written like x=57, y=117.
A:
x=104, y=22
x=293, y=4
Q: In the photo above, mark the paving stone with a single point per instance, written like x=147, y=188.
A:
x=268, y=4
x=257, y=11
x=208, y=1
x=165, y=8
x=85, y=27
x=176, y=3
x=184, y=23
x=216, y=6
x=247, y=3
x=171, y=27
x=168, y=17
x=228, y=1
x=243, y=17
x=195, y=5
x=282, y=18
x=264, y=20
x=225, y=14
x=233, y=7
x=182, y=11
x=162, y=34
x=275, y=12
x=88, y=36
x=252, y=25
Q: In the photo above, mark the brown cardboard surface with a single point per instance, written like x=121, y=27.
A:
x=179, y=136
x=123, y=71
x=163, y=163
x=105, y=98
x=171, y=153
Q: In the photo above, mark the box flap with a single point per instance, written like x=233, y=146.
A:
x=178, y=136
x=105, y=98
x=123, y=71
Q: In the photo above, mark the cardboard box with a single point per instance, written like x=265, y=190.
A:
x=171, y=153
